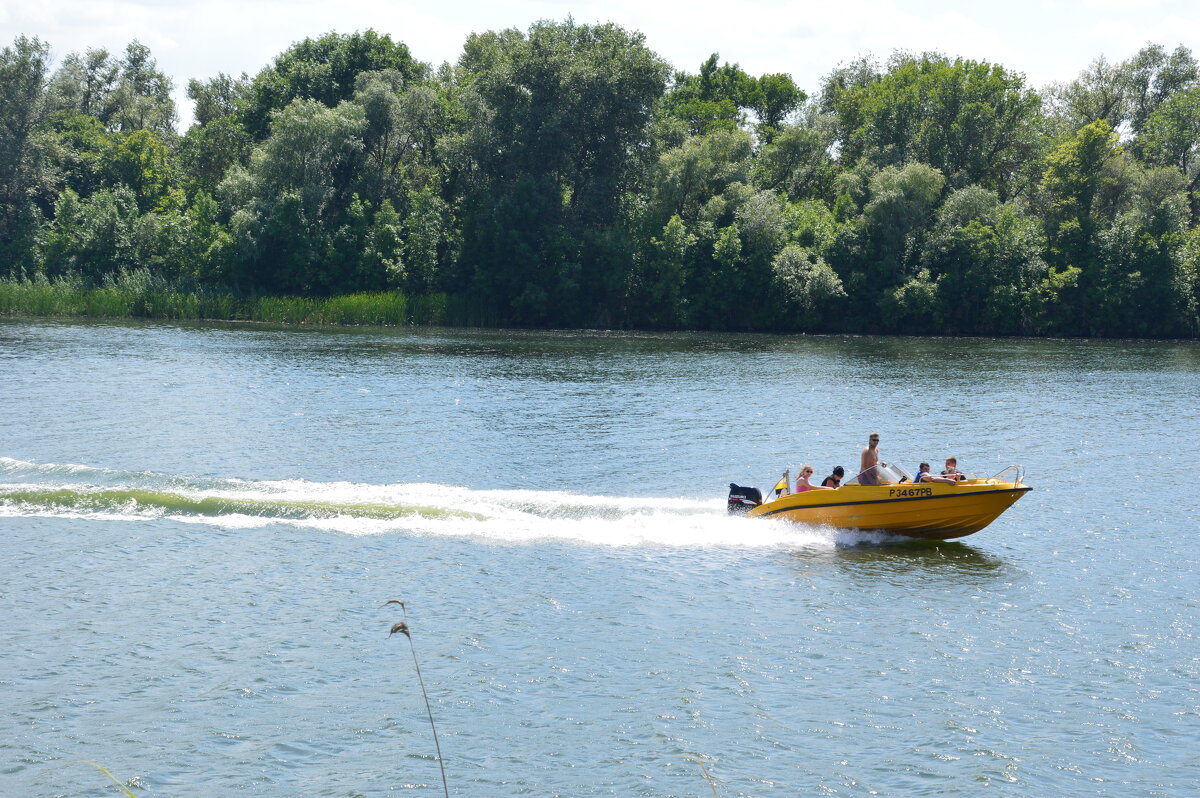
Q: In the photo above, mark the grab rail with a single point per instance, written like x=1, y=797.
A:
x=1019, y=476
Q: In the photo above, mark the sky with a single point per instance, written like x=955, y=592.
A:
x=1047, y=40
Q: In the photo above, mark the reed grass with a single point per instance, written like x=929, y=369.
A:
x=402, y=627
x=704, y=772
x=140, y=295
x=115, y=780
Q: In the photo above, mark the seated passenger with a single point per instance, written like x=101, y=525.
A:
x=834, y=480
x=802, y=483
x=923, y=475
x=952, y=471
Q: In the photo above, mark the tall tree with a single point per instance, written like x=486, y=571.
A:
x=293, y=199
x=1100, y=93
x=218, y=97
x=973, y=121
x=1172, y=136
x=218, y=140
x=1078, y=175
x=86, y=84
x=143, y=95
x=325, y=70
x=23, y=145
x=719, y=95
x=775, y=96
x=561, y=115
x=1153, y=75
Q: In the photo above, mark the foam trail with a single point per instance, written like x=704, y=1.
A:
x=509, y=516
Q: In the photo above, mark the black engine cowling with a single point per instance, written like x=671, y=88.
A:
x=741, y=499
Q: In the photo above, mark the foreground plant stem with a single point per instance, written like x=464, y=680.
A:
x=402, y=627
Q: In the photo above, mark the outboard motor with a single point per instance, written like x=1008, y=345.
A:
x=742, y=499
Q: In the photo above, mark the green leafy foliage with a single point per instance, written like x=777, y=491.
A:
x=974, y=122
x=24, y=173
x=719, y=95
x=564, y=175
x=323, y=69
x=558, y=118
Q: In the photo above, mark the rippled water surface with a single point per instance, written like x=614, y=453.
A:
x=198, y=525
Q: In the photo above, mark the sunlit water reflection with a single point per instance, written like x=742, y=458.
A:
x=198, y=525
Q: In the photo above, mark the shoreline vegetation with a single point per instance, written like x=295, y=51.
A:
x=72, y=299
x=566, y=176
x=142, y=298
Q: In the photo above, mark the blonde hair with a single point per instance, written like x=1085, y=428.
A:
x=804, y=468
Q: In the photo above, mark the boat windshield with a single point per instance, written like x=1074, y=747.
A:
x=881, y=474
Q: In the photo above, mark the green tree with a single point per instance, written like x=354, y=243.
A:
x=1100, y=93
x=1153, y=76
x=973, y=121
x=1127, y=91
x=385, y=246
x=206, y=243
x=142, y=98
x=559, y=117
x=775, y=96
x=985, y=259
x=400, y=140
x=854, y=76
x=144, y=163
x=219, y=97
x=718, y=96
x=425, y=237
x=894, y=222
x=713, y=99
x=293, y=197
x=24, y=177
x=218, y=140
x=323, y=69
x=82, y=152
x=797, y=161
x=804, y=287
x=665, y=276
x=208, y=151
x=1188, y=286
x=1077, y=174
x=1140, y=285
x=93, y=237
x=1172, y=137
x=687, y=177
x=1088, y=185
x=87, y=84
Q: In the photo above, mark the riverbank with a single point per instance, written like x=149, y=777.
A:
x=139, y=295
x=142, y=297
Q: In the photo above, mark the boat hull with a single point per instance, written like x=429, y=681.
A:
x=934, y=511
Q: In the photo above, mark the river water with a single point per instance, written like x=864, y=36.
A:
x=199, y=523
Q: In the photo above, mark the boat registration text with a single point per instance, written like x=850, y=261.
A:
x=910, y=492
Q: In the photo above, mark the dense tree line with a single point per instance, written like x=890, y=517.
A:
x=567, y=176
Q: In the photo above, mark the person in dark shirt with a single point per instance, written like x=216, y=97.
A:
x=923, y=475
x=952, y=470
x=834, y=480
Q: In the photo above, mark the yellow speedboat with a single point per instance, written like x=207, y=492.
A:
x=892, y=503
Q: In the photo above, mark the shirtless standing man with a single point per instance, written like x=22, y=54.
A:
x=870, y=459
